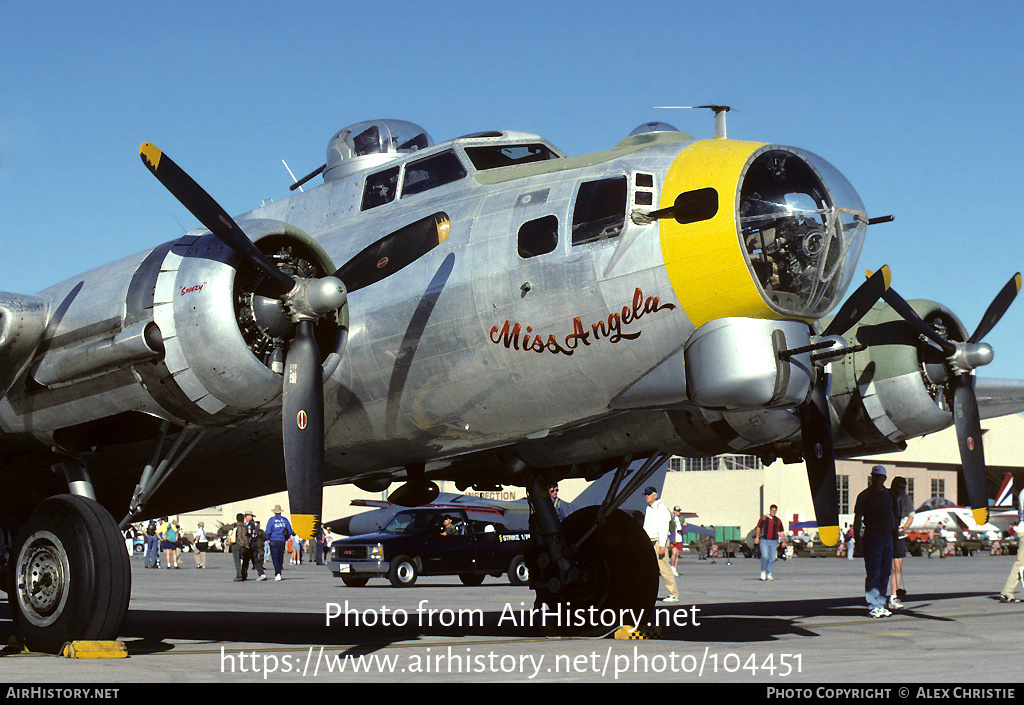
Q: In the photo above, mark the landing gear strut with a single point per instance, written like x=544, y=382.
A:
x=598, y=559
x=69, y=577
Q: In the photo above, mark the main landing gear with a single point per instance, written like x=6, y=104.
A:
x=598, y=559
x=68, y=576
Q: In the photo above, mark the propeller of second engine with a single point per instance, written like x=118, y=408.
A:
x=815, y=418
x=961, y=360
x=304, y=302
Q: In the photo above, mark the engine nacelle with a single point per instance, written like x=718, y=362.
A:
x=223, y=342
x=897, y=388
x=23, y=320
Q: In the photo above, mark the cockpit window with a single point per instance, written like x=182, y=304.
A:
x=496, y=156
x=798, y=230
x=600, y=210
x=380, y=188
x=432, y=172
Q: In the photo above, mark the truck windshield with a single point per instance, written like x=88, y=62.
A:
x=408, y=523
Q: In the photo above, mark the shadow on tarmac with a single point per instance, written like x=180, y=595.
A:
x=152, y=631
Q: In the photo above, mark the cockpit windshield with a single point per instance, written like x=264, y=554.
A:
x=936, y=503
x=802, y=225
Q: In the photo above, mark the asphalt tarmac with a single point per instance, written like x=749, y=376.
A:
x=808, y=626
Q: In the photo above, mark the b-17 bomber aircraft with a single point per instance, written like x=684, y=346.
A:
x=485, y=310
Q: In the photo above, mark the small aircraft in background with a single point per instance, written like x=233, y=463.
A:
x=940, y=513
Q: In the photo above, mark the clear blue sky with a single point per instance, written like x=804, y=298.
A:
x=919, y=104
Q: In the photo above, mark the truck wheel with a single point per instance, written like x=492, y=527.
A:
x=355, y=580
x=403, y=572
x=518, y=572
x=69, y=577
x=471, y=579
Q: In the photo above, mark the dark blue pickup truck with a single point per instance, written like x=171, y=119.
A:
x=420, y=541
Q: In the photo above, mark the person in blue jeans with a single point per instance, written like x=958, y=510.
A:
x=152, y=546
x=277, y=531
x=769, y=537
x=876, y=512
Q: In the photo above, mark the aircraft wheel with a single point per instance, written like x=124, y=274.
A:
x=403, y=572
x=619, y=569
x=70, y=576
x=355, y=580
x=518, y=572
x=471, y=579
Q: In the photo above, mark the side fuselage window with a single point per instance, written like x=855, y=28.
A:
x=538, y=237
x=600, y=210
x=495, y=157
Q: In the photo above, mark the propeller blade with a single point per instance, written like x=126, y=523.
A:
x=302, y=416
x=972, y=452
x=209, y=213
x=819, y=457
x=394, y=252
x=997, y=308
x=900, y=305
x=860, y=302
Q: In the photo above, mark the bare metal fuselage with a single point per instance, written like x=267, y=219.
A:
x=472, y=356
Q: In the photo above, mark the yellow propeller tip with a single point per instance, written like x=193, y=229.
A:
x=829, y=535
x=150, y=154
x=304, y=525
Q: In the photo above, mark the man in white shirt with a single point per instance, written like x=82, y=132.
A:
x=1017, y=571
x=656, y=522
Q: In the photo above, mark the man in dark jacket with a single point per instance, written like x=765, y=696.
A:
x=252, y=548
x=277, y=531
x=875, y=511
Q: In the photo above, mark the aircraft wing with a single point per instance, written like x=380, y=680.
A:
x=381, y=511
x=999, y=397
x=595, y=492
x=702, y=530
x=1003, y=519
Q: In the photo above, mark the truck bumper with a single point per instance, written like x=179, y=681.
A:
x=340, y=568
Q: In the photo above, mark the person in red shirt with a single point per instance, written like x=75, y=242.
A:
x=769, y=536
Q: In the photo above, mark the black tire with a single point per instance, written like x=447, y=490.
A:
x=355, y=580
x=619, y=568
x=471, y=579
x=69, y=577
x=403, y=572
x=518, y=572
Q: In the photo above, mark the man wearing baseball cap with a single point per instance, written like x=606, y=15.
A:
x=656, y=522
x=876, y=512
